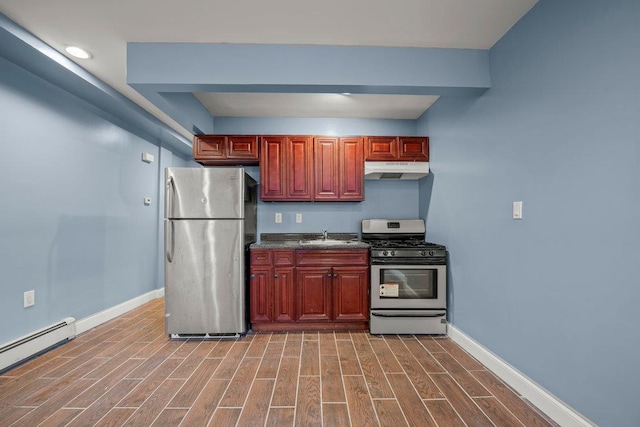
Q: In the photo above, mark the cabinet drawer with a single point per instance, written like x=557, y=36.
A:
x=272, y=257
x=331, y=258
x=282, y=257
x=261, y=257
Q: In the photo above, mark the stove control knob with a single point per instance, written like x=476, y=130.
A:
x=431, y=253
x=393, y=253
x=384, y=253
x=423, y=253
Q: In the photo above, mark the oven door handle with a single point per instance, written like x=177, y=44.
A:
x=396, y=314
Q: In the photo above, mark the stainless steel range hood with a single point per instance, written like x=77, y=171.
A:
x=396, y=170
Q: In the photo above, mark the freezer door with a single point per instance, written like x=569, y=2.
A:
x=204, y=277
x=193, y=193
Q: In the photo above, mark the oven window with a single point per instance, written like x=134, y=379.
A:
x=411, y=283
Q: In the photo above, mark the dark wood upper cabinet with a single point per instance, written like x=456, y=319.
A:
x=381, y=148
x=339, y=169
x=413, y=148
x=351, y=178
x=389, y=148
x=299, y=165
x=305, y=168
x=273, y=173
x=223, y=150
x=325, y=158
x=286, y=168
x=311, y=163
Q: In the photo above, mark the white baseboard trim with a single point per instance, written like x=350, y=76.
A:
x=553, y=407
x=97, y=319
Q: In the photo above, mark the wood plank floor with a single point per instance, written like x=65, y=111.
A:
x=126, y=372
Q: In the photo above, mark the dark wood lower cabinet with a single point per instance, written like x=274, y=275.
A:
x=351, y=294
x=261, y=295
x=321, y=290
x=314, y=294
x=284, y=304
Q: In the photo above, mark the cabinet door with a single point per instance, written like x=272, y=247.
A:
x=381, y=148
x=325, y=162
x=313, y=285
x=283, y=295
x=261, y=295
x=299, y=163
x=209, y=147
x=413, y=148
x=350, y=294
x=351, y=177
x=273, y=171
x=243, y=147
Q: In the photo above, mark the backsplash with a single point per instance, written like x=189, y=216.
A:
x=383, y=199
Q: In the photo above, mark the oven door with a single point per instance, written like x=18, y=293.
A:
x=408, y=287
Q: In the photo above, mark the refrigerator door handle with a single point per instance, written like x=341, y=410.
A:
x=169, y=241
x=171, y=189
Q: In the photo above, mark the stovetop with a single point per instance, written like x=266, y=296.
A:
x=403, y=244
x=403, y=240
x=413, y=252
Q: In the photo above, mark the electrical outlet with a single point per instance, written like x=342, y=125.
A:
x=299, y=218
x=29, y=298
x=278, y=218
x=147, y=201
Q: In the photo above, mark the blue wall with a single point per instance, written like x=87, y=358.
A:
x=556, y=293
x=73, y=224
x=383, y=199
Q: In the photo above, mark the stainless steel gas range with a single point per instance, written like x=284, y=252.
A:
x=408, y=278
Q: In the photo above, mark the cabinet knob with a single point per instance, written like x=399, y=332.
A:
x=329, y=275
x=253, y=276
x=275, y=276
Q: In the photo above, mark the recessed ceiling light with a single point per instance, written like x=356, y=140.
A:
x=78, y=52
x=346, y=93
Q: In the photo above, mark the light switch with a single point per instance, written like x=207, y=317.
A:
x=517, y=210
x=147, y=157
x=298, y=218
x=278, y=218
x=29, y=298
x=147, y=201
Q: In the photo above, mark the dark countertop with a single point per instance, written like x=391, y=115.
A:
x=292, y=241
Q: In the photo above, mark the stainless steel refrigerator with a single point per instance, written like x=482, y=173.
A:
x=210, y=221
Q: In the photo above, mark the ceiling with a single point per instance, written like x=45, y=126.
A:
x=104, y=27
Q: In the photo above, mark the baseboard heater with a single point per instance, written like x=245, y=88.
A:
x=33, y=344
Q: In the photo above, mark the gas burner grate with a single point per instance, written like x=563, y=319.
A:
x=403, y=244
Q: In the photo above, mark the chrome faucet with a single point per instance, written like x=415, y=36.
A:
x=324, y=234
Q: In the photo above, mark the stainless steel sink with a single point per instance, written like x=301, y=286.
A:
x=327, y=242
